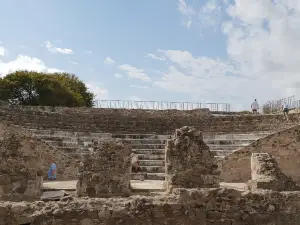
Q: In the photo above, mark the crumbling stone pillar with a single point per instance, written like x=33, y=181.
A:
x=265, y=174
x=20, y=172
x=106, y=172
x=189, y=162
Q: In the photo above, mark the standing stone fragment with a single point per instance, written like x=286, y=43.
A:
x=106, y=171
x=189, y=162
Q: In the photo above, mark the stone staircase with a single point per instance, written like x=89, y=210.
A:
x=150, y=148
x=224, y=144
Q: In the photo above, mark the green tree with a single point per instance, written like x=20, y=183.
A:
x=34, y=88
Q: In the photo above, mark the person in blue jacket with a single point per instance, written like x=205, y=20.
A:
x=52, y=171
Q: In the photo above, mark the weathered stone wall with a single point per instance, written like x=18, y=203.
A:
x=66, y=167
x=189, y=162
x=20, y=168
x=106, y=172
x=284, y=146
x=265, y=174
x=139, y=121
x=188, y=207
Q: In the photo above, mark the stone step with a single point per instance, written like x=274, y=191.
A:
x=226, y=147
x=152, y=162
x=80, y=150
x=148, y=176
x=133, y=141
x=59, y=133
x=149, y=151
x=137, y=141
x=152, y=169
x=91, y=139
x=84, y=150
x=150, y=157
x=74, y=143
x=227, y=142
x=79, y=144
x=142, y=136
x=221, y=152
x=243, y=136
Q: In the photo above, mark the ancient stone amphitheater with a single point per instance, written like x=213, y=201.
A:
x=217, y=168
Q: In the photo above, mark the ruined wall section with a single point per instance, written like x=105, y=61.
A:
x=106, y=171
x=20, y=168
x=265, y=174
x=139, y=121
x=67, y=167
x=189, y=207
x=189, y=162
x=283, y=145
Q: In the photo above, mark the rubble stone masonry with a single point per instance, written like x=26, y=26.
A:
x=24, y=163
x=283, y=145
x=106, y=171
x=183, y=206
x=67, y=168
x=20, y=168
x=189, y=162
x=266, y=174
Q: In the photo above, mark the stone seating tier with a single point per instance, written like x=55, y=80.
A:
x=141, y=121
x=149, y=148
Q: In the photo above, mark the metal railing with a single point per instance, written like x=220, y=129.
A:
x=156, y=105
x=276, y=105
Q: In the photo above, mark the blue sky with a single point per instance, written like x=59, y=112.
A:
x=177, y=50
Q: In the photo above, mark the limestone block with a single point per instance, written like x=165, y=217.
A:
x=189, y=162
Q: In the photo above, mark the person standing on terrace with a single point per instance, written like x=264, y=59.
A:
x=254, y=106
x=285, y=108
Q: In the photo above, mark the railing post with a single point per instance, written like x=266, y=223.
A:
x=163, y=105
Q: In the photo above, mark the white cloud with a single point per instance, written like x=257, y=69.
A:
x=206, y=79
x=98, y=89
x=118, y=75
x=208, y=15
x=109, y=60
x=53, y=49
x=187, y=12
x=263, y=37
x=88, y=52
x=139, y=86
x=135, y=73
x=2, y=51
x=23, y=62
x=155, y=57
x=263, y=53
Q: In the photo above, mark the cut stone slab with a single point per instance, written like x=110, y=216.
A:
x=60, y=185
x=52, y=195
x=148, y=185
x=151, y=185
